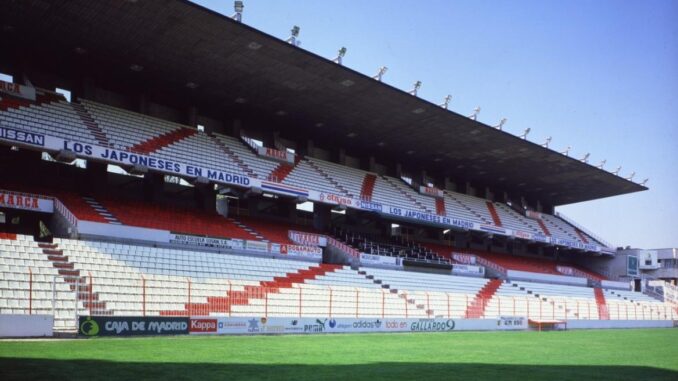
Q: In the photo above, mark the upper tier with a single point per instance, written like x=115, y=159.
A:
x=125, y=131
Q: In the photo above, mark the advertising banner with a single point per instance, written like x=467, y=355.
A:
x=17, y=90
x=308, y=239
x=467, y=270
x=275, y=154
x=371, y=259
x=280, y=325
x=468, y=259
x=431, y=191
x=205, y=241
x=132, y=326
x=301, y=251
x=94, y=152
x=25, y=201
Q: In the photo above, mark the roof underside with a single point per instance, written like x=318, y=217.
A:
x=179, y=42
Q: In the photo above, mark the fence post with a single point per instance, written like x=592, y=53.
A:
x=300, y=300
x=91, y=281
x=143, y=295
x=448, y=305
x=357, y=302
x=54, y=295
x=406, y=303
x=527, y=304
x=514, y=305
x=230, y=297
x=30, y=291
x=540, y=308
x=188, y=305
x=331, y=292
x=266, y=302
x=383, y=303
x=499, y=306
x=428, y=305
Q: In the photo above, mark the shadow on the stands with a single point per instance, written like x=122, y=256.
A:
x=40, y=369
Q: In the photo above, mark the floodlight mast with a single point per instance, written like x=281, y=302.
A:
x=415, y=89
x=585, y=159
x=547, y=142
x=446, y=102
x=630, y=178
x=644, y=182
x=567, y=151
x=474, y=116
x=525, y=133
x=238, y=6
x=501, y=124
x=340, y=55
x=616, y=171
x=602, y=164
x=380, y=74
x=293, y=39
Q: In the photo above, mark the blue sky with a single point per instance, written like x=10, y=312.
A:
x=600, y=76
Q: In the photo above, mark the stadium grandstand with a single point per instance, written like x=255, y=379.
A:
x=222, y=172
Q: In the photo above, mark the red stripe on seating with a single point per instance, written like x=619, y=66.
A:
x=158, y=142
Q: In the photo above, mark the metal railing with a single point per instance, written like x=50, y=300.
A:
x=154, y=295
x=159, y=296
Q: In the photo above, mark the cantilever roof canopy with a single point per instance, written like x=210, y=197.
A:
x=178, y=42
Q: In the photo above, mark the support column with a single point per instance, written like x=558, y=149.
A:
x=322, y=216
x=97, y=176
x=192, y=116
x=205, y=197
x=152, y=186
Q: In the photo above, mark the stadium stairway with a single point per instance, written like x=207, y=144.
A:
x=603, y=313
x=103, y=212
x=493, y=213
x=581, y=236
x=331, y=180
x=91, y=124
x=543, y=227
x=158, y=142
x=405, y=194
x=476, y=309
x=222, y=304
x=248, y=229
x=279, y=174
x=403, y=295
x=440, y=206
x=368, y=186
x=77, y=283
x=232, y=155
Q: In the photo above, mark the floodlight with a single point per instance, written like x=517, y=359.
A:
x=630, y=178
x=416, y=87
x=547, y=142
x=340, y=54
x=644, y=182
x=446, y=102
x=616, y=172
x=382, y=71
x=294, y=33
x=602, y=164
x=585, y=159
x=238, y=6
x=476, y=111
x=525, y=133
x=567, y=151
x=501, y=124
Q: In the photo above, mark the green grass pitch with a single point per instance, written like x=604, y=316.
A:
x=639, y=355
